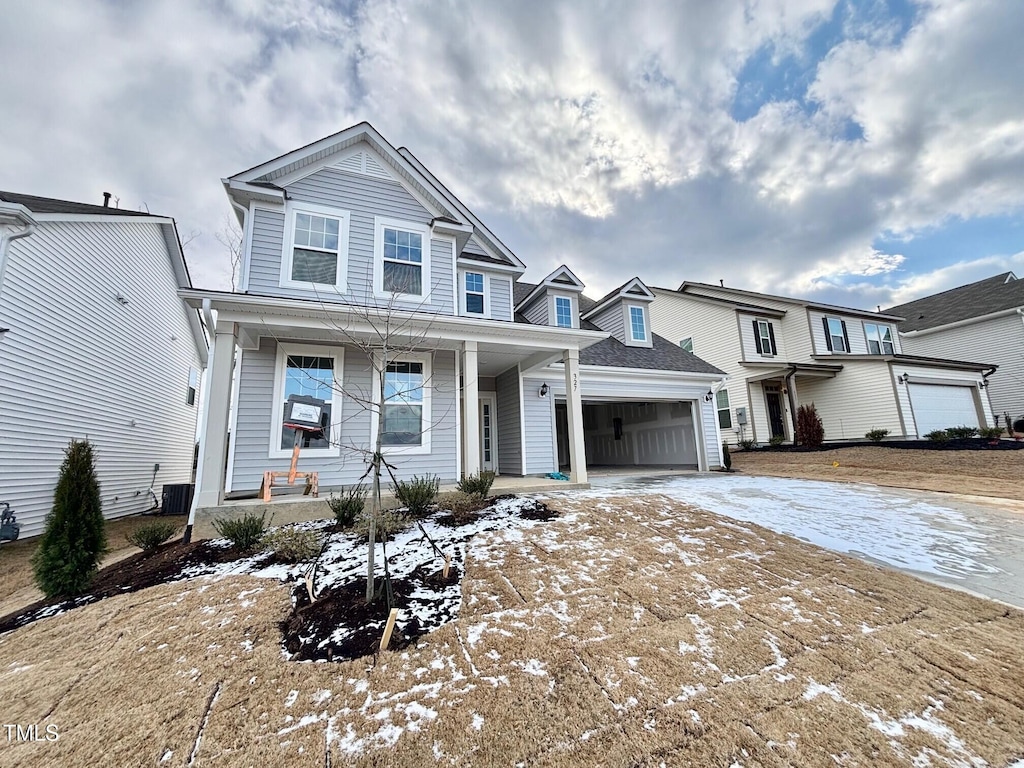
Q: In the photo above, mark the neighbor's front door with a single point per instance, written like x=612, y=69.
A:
x=773, y=399
x=488, y=433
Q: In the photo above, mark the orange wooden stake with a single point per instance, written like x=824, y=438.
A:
x=447, y=566
x=389, y=628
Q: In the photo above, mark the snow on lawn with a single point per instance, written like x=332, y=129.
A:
x=859, y=519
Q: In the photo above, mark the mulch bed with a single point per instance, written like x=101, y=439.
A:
x=965, y=444
x=135, y=572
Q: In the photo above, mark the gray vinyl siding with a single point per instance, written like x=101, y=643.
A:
x=509, y=426
x=255, y=409
x=612, y=320
x=537, y=312
x=501, y=298
x=539, y=421
x=76, y=363
x=364, y=197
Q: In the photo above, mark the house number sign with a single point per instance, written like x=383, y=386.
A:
x=575, y=381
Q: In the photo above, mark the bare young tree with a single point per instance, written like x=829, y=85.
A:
x=230, y=236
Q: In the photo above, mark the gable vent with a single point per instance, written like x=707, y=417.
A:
x=352, y=163
x=373, y=168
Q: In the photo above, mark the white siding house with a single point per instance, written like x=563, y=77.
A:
x=781, y=353
x=98, y=346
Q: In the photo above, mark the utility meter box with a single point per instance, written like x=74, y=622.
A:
x=741, y=415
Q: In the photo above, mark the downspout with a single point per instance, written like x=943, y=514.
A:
x=204, y=415
x=789, y=398
x=28, y=227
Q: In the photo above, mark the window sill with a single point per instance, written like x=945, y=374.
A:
x=405, y=450
x=338, y=288
x=307, y=453
x=407, y=297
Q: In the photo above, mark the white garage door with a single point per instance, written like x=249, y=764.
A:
x=938, y=406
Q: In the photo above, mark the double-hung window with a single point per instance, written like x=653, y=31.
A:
x=405, y=412
x=764, y=338
x=879, y=339
x=637, y=324
x=317, y=251
x=722, y=405
x=474, y=293
x=563, y=311
x=401, y=265
x=836, y=338
x=312, y=376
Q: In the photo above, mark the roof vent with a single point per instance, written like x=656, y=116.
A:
x=106, y=199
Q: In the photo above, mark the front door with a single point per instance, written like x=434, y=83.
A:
x=773, y=398
x=488, y=434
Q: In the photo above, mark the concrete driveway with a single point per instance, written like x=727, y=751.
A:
x=970, y=543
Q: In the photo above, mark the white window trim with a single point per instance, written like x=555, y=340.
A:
x=630, y=339
x=344, y=217
x=428, y=388
x=766, y=341
x=719, y=409
x=553, y=310
x=832, y=337
x=881, y=349
x=277, y=414
x=462, y=294
x=379, y=223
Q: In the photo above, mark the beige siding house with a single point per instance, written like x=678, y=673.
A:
x=781, y=353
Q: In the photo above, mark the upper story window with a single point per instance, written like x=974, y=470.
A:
x=317, y=250
x=637, y=324
x=879, y=339
x=402, y=266
x=563, y=311
x=474, y=293
x=687, y=344
x=836, y=338
x=764, y=338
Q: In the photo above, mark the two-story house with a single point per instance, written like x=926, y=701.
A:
x=96, y=344
x=781, y=353
x=984, y=319
x=351, y=245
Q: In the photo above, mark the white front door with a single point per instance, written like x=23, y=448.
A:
x=488, y=433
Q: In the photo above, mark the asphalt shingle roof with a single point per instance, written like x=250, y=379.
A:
x=51, y=205
x=992, y=294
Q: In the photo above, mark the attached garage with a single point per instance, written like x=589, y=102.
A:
x=938, y=406
x=645, y=434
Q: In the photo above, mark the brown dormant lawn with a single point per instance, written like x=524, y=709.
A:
x=978, y=473
x=627, y=633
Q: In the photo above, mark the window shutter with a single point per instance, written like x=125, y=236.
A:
x=757, y=339
x=828, y=336
x=771, y=336
x=846, y=336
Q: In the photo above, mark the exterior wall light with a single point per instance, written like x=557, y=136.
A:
x=544, y=390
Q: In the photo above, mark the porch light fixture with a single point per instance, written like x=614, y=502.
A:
x=983, y=384
x=709, y=396
x=544, y=390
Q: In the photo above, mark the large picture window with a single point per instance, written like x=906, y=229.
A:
x=879, y=339
x=402, y=412
x=312, y=376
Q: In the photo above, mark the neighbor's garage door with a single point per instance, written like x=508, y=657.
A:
x=938, y=406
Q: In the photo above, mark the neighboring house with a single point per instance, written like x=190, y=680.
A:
x=982, y=320
x=97, y=345
x=349, y=231
x=781, y=353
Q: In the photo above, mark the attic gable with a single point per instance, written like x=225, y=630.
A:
x=562, y=279
x=633, y=290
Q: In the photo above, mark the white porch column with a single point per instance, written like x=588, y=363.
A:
x=214, y=437
x=574, y=411
x=471, y=409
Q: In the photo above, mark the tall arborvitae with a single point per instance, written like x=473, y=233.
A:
x=75, y=539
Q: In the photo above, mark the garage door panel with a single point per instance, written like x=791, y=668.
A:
x=658, y=433
x=938, y=406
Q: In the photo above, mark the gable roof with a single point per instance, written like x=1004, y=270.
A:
x=562, y=277
x=693, y=288
x=273, y=174
x=633, y=288
x=993, y=294
x=52, y=205
x=762, y=309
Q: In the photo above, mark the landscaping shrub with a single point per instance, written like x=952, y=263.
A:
x=477, y=485
x=809, y=430
x=460, y=503
x=937, y=436
x=75, y=538
x=990, y=433
x=348, y=507
x=877, y=435
x=417, y=494
x=149, y=537
x=962, y=432
x=726, y=457
x=245, y=533
x=748, y=445
x=776, y=440
x=293, y=545
x=389, y=522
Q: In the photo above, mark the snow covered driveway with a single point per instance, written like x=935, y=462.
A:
x=968, y=545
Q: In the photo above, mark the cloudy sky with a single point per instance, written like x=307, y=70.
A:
x=860, y=152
